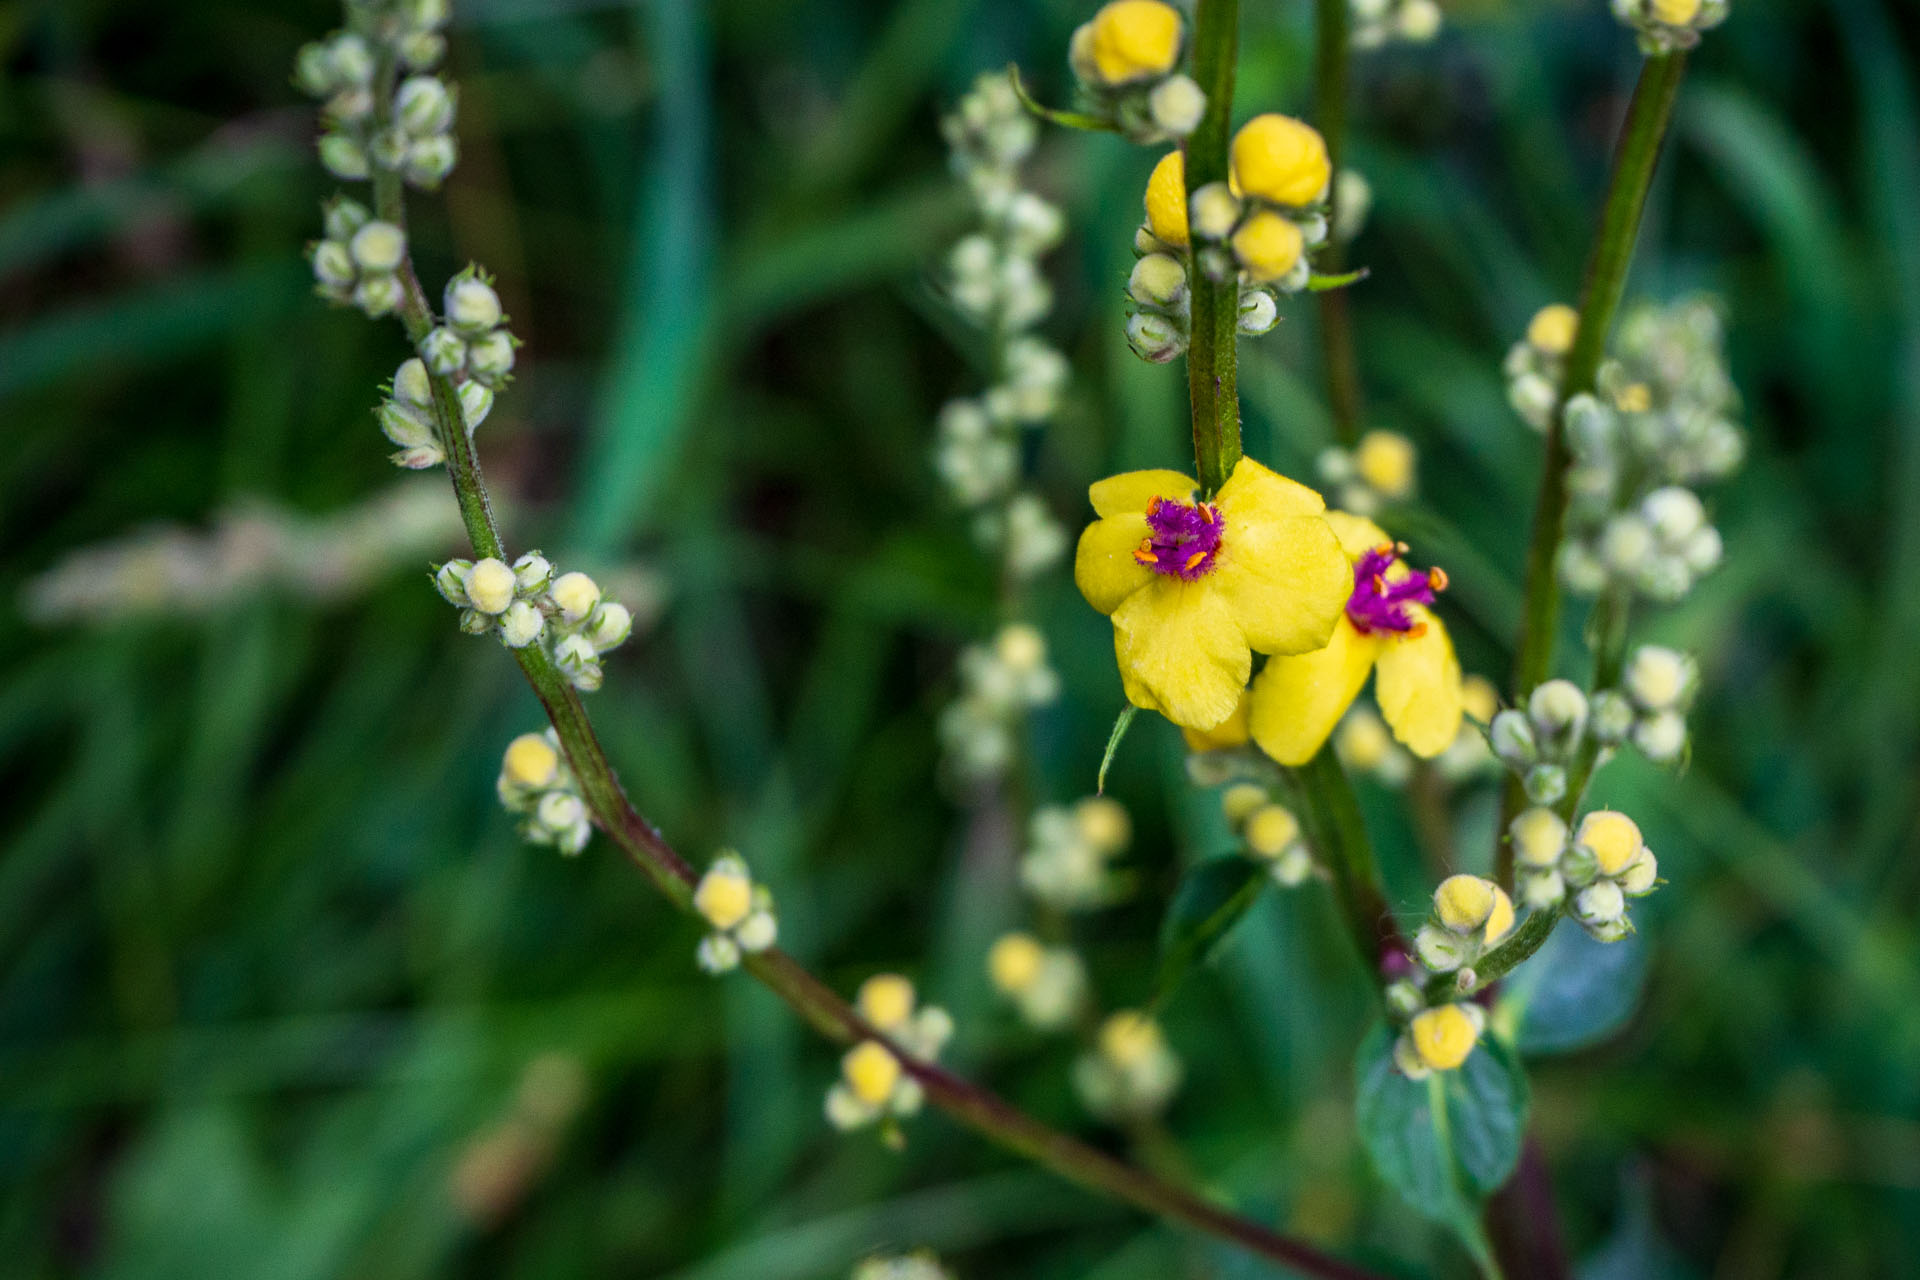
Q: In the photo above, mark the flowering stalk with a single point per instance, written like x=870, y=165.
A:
x=1639, y=150
x=1216, y=305
x=1333, y=816
x=1333, y=45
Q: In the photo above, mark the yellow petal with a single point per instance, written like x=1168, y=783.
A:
x=1358, y=535
x=1419, y=687
x=1133, y=490
x=1229, y=733
x=1297, y=700
x=1286, y=580
x=1180, y=652
x=1253, y=490
x=1103, y=566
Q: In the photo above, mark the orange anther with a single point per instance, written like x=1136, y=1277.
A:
x=1193, y=561
x=1437, y=578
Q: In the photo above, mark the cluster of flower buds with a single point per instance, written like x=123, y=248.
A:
x=1127, y=58
x=740, y=912
x=920, y=1265
x=472, y=341
x=414, y=135
x=1603, y=864
x=1048, y=985
x=1382, y=468
x=994, y=279
x=406, y=415
x=1131, y=1072
x=1439, y=1038
x=1378, y=22
x=1663, y=26
x=525, y=602
x=872, y=1086
x=1541, y=742
x=357, y=261
x=1471, y=916
x=1657, y=688
x=1536, y=365
x=1269, y=832
x=1000, y=683
x=1255, y=229
x=1067, y=865
x=536, y=784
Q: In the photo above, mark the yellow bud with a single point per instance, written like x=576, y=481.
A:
x=1268, y=246
x=1635, y=397
x=1612, y=838
x=1479, y=698
x=490, y=585
x=1385, y=460
x=1129, y=1037
x=1167, y=199
x=1240, y=801
x=531, y=761
x=1500, y=919
x=886, y=1001
x=1362, y=741
x=1020, y=647
x=724, y=897
x=1103, y=823
x=1463, y=903
x=1280, y=159
x=1014, y=962
x=1134, y=39
x=1228, y=734
x=576, y=594
x=1270, y=830
x=1674, y=13
x=1552, y=329
x=1539, y=836
x=1444, y=1037
x=870, y=1072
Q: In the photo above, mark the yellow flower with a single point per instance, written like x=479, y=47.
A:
x=1278, y=158
x=1167, y=199
x=1134, y=39
x=1297, y=700
x=1268, y=246
x=1194, y=587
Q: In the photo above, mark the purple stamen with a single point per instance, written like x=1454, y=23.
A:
x=1381, y=605
x=1183, y=538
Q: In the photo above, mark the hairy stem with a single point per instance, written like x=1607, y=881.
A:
x=1340, y=834
x=811, y=998
x=1502, y=960
x=1633, y=164
x=1216, y=304
x=1333, y=46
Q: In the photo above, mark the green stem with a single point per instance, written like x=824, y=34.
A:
x=1216, y=304
x=1502, y=960
x=1633, y=165
x=811, y=998
x=1332, y=53
x=1607, y=634
x=1340, y=834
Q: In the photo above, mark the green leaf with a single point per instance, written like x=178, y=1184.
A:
x=1575, y=992
x=1321, y=284
x=1212, y=897
x=1065, y=119
x=1446, y=1142
x=1120, y=727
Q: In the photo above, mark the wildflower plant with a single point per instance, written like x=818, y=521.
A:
x=1243, y=610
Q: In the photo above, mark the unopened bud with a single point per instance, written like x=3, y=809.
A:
x=1176, y=105
x=490, y=586
x=377, y=295
x=576, y=595
x=450, y=580
x=428, y=161
x=1661, y=737
x=472, y=306
x=423, y=105
x=1559, y=712
x=1155, y=338
x=1511, y=735
x=1612, y=717
x=522, y=624
x=1158, y=280
x=1258, y=311
x=1213, y=211
x=443, y=351
x=344, y=158
x=1546, y=783
x=378, y=246
x=612, y=624
x=490, y=357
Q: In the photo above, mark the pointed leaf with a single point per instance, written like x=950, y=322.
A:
x=1120, y=727
x=1212, y=898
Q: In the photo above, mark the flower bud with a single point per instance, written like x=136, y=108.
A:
x=612, y=624
x=490, y=586
x=476, y=402
x=1659, y=678
x=1661, y=737
x=1267, y=246
x=1545, y=783
x=1241, y=801
x=350, y=60
x=1385, y=460
x=410, y=385
x=1511, y=735
x=378, y=246
x=521, y=624
x=342, y=157
x=1540, y=889
x=1014, y=963
x=1625, y=545
x=1214, y=211
x=1176, y=105
x=1132, y=40
x=1612, y=838
x=377, y=295
x=1553, y=328
x=428, y=161
x=1404, y=998
x=1270, y=831
x=313, y=70
x=1440, y=950
x=530, y=761
x=422, y=50
x=717, y=953
x=443, y=352
x=724, y=895
x=1559, y=712
x=450, y=580
x=423, y=105
x=1155, y=338
x=870, y=1072
x=405, y=425
x=1702, y=551
x=1258, y=311
x=387, y=148
x=472, y=307
x=886, y=1001
x=1444, y=1037
x=1464, y=902
x=1419, y=21
x=757, y=932
x=1280, y=159
x=490, y=357
x=1158, y=281
x=333, y=266
x=576, y=595
x=559, y=811
x=1532, y=397
x=1674, y=513
x=1539, y=837
x=1612, y=718
x=1600, y=903
x=342, y=217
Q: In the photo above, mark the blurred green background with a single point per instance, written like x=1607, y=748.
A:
x=282, y=995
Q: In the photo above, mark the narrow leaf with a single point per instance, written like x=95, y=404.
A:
x=1065, y=119
x=1120, y=727
x=1212, y=898
x=1321, y=284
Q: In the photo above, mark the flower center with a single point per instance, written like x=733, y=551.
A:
x=1381, y=605
x=1183, y=538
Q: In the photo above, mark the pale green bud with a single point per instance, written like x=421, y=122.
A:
x=475, y=623
x=559, y=811
x=1559, y=711
x=333, y=267
x=378, y=295
x=1158, y=280
x=1661, y=737
x=342, y=217
x=757, y=932
x=1440, y=950
x=1511, y=734
x=313, y=70
x=522, y=624
x=351, y=59
x=422, y=50
x=410, y=385
x=717, y=954
x=443, y=351
x=1176, y=105
x=1613, y=716
x=428, y=161
x=378, y=246
x=1155, y=338
x=450, y=580
x=1213, y=211
x=576, y=595
x=1600, y=903
x=1641, y=876
x=342, y=157
x=1258, y=311
x=533, y=572
x=405, y=425
x=612, y=624
x=388, y=149
x=472, y=306
x=423, y=105
x=490, y=586
x=490, y=357
x=1674, y=513
x=1546, y=783
x=476, y=402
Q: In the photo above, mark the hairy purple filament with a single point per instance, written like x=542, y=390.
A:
x=1381, y=605
x=1184, y=538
